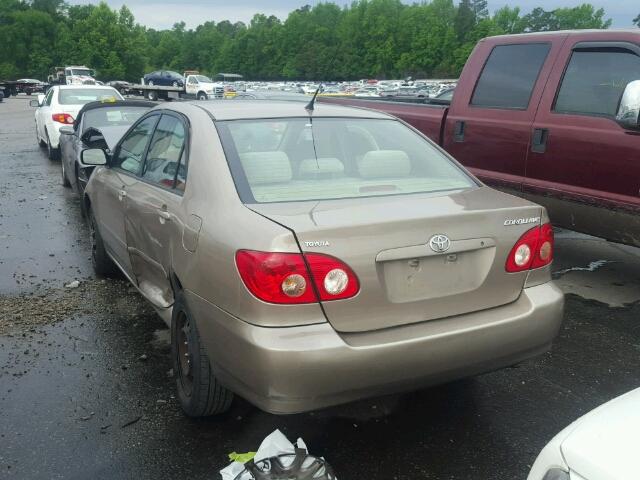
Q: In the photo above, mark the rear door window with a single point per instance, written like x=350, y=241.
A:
x=508, y=77
x=594, y=81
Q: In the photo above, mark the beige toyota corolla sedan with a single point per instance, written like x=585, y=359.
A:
x=309, y=259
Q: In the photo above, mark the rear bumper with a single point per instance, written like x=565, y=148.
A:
x=295, y=369
x=53, y=130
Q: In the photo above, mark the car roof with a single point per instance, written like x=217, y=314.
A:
x=563, y=33
x=250, y=109
x=117, y=103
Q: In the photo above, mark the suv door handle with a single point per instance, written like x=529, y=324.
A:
x=458, y=131
x=164, y=214
x=122, y=194
x=539, y=140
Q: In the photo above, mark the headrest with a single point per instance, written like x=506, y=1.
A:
x=384, y=163
x=312, y=167
x=266, y=167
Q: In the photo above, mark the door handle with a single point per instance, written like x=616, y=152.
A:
x=458, y=131
x=539, y=140
x=164, y=214
x=122, y=194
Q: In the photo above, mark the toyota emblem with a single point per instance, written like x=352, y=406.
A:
x=439, y=243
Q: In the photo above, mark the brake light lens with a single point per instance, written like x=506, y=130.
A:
x=333, y=278
x=62, y=118
x=533, y=250
x=293, y=278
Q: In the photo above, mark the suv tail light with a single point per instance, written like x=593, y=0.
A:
x=293, y=278
x=62, y=118
x=533, y=250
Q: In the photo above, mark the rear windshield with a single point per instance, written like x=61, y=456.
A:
x=112, y=116
x=80, y=96
x=292, y=159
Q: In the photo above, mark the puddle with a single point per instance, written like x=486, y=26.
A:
x=592, y=267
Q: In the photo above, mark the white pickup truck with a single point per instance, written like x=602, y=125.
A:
x=196, y=86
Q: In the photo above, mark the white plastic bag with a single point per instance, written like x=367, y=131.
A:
x=273, y=445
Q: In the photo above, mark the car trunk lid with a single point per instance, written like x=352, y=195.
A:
x=386, y=241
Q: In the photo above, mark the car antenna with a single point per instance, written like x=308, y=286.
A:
x=310, y=105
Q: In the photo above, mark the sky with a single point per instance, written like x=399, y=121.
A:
x=164, y=13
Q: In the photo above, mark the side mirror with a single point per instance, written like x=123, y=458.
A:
x=93, y=156
x=66, y=130
x=628, y=115
x=34, y=103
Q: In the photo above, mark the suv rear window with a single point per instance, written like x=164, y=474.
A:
x=509, y=76
x=291, y=159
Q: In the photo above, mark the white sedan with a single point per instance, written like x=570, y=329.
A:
x=602, y=445
x=60, y=106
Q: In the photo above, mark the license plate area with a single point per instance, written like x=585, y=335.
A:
x=436, y=276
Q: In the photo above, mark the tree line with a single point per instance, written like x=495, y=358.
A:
x=368, y=39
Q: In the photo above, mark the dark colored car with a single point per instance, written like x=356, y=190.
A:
x=164, y=78
x=122, y=86
x=552, y=117
x=98, y=125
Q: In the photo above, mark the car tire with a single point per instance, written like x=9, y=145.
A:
x=52, y=153
x=102, y=263
x=65, y=180
x=199, y=391
x=152, y=95
x=202, y=96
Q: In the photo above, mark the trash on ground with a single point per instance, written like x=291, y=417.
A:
x=242, y=457
x=277, y=458
x=74, y=284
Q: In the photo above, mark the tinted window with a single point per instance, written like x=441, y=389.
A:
x=165, y=151
x=80, y=96
x=129, y=155
x=509, y=76
x=283, y=160
x=595, y=80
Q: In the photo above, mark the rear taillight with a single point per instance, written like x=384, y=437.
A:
x=62, y=118
x=334, y=279
x=533, y=250
x=290, y=278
